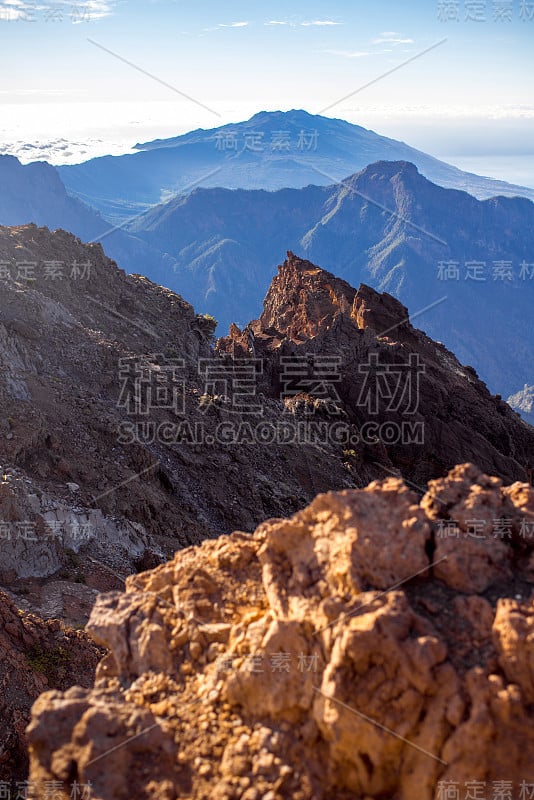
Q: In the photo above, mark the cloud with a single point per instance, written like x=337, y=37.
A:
x=349, y=53
x=15, y=10
x=356, y=53
x=234, y=24
x=96, y=9
x=221, y=25
x=320, y=22
x=392, y=38
x=305, y=24
x=74, y=11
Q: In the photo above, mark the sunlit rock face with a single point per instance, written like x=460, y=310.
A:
x=350, y=651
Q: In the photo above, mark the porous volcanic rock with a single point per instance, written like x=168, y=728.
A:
x=324, y=656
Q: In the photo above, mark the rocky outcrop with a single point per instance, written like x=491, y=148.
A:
x=125, y=436
x=35, y=656
x=350, y=651
x=39, y=528
x=409, y=403
x=116, y=448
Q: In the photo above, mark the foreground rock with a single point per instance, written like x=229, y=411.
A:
x=352, y=651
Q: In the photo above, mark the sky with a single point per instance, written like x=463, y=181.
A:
x=87, y=78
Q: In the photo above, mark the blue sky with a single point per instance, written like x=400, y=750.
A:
x=470, y=96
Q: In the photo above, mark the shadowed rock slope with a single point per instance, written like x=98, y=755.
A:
x=309, y=314
x=85, y=500
x=34, y=656
x=306, y=660
x=95, y=485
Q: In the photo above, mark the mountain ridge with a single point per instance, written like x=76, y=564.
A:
x=387, y=226
x=72, y=347
x=35, y=194
x=256, y=153
x=226, y=265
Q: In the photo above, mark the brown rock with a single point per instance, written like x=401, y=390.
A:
x=326, y=683
x=344, y=552
x=514, y=641
x=472, y=548
x=310, y=314
x=34, y=656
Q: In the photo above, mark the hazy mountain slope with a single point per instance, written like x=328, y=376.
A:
x=226, y=243
x=523, y=403
x=485, y=323
x=387, y=226
x=272, y=150
x=34, y=193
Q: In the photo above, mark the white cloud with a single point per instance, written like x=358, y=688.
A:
x=96, y=9
x=305, y=24
x=234, y=24
x=221, y=25
x=349, y=53
x=15, y=10
x=356, y=53
x=74, y=11
x=320, y=22
x=392, y=38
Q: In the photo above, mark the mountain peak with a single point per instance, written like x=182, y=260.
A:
x=314, y=149
x=309, y=312
x=295, y=114
x=303, y=299
x=388, y=169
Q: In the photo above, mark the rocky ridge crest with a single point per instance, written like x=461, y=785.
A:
x=310, y=313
